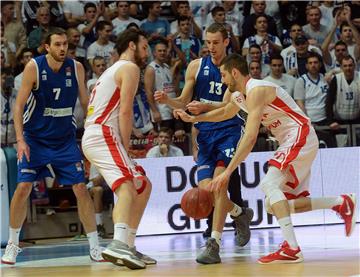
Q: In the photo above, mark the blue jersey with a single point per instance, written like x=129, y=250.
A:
x=210, y=89
x=49, y=109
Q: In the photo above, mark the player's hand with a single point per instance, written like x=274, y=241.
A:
x=164, y=149
x=219, y=182
x=183, y=115
x=195, y=152
x=23, y=149
x=160, y=96
x=196, y=107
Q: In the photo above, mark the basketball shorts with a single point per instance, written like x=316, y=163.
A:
x=216, y=148
x=63, y=161
x=102, y=147
x=294, y=159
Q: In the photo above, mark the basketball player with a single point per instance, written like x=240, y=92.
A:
x=286, y=183
x=216, y=141
x=45, y=135
x=106, y=141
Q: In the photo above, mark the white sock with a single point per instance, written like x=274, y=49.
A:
x=93, y=239
x=98, y=218
x=236, y=211
x=217, y=236
x=131, y=237
x=325, y=202
x=288, y=231
x=121, y=232
x=14, y=235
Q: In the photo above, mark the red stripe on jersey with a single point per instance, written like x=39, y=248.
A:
x=279, y=104
x=115, y=98
x=115, y=153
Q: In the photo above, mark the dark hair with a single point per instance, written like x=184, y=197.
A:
x=178, y=3
x=313, y=55
x=217, y=27
x=340, y=42
x=235, y=61
x=89, y=5
x=260, y=15
x=98, y=58
x=53, y=31
x=254, y=45
x=347, y=57
x=71, y=46
x=182, y=18
x=276, y=56
x=5, y=3
x=24, y=50
x=133, y=24
x=161, y=40
x=166, y=130
x=118, y=2
x=125, y=37
x=101, y=25
x=344, y=24
x=217, y=9
x=147, y=5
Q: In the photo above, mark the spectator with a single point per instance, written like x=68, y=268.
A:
x=255, y=55
x=43, y=18
x=286, y=81
x=314, y=30
x=311, y=90
x=153, y=25
x=102, y=46
x=28, y=14
x=326, y=9
x=164, y=147
x=332, y=62
x=268, y=43
x=249, y=23
x=14, y=31
x=8, y=48
x=74, y=12
x=159, y=77
x=98, y=67
x=73, y=36
x=25, y=56
x=183, y=9
x=255, y=69
x=343, y=99
x=8, y=97
x=123, y=19
x=292, y=12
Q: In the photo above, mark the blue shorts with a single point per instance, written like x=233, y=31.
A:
x=217, y=146
x=64, y=160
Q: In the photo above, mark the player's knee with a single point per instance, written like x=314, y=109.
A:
x=80, y=190
x=97, y=190
x=268, y=206
x=272, y=192
x=23, y=190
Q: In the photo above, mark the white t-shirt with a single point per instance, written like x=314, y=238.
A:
x=287, y=82
x=174, y=151
x=96, y=49
x=120, y=25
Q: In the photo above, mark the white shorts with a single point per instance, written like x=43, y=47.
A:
x=103, y=148
x=294, y=159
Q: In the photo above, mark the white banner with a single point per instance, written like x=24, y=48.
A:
x=335, y=171
x=4, y=200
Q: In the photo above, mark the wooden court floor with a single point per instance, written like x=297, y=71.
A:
x=326, y=250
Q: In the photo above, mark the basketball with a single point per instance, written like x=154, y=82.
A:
x=197, y=203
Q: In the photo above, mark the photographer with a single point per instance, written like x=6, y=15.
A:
x=8, y=96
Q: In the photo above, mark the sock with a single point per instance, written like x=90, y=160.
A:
x=14, y=235
x=131, y=237
x=98, y=218
x=288, y=231
x=121, y=231
x=236, y=211
x=217, y=236
x=93, y=239
x=325, y=202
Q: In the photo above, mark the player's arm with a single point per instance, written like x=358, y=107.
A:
x=187, y=92
x=83, y=95
x=127, y=79
x=27, y=84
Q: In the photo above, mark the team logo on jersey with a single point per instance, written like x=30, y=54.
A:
x=79, y=167
x=68, y=71
x=68, y=83
x=206, y=71
x=43, y=75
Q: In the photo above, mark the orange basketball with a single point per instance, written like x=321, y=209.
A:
x=197, y=203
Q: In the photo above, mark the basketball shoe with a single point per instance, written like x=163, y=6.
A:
x=210, y=255
x=283, y=256
x=95, y=254
x=120, y=254
x=11, y=252
x=347, y=212
x=145, y=258
x=242, y=226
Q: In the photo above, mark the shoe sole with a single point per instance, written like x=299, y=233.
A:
x=115, y=258
x=5, y=262
x=202, y=262
x=283, y=262
x=98, y=261
x=353, y=219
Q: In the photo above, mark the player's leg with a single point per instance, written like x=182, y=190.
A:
x=96, y=193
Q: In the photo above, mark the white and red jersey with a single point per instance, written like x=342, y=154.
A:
x=104, y=101
x=282, y=116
